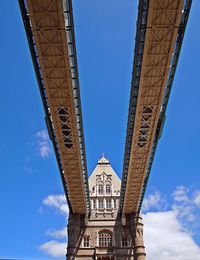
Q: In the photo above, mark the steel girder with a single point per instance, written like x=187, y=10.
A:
x=160, y=30
x=50, y=32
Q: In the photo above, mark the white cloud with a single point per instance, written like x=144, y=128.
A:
x=60, y=233
x=196, y=198
x=58, y=202
x=166, y=239
x=54, y=248
x=185, y=211
x=186, y=203
x=168, y=233
x=181, y=194
x=155, y=200
x=43, y=143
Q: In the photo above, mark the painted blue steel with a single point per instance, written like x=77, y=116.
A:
x=70, y=35
x=76, y=92
x=134, y=94
x=177, y=50
x=137, y=65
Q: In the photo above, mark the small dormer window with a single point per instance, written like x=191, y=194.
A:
x=108, y=188
x=100, y=189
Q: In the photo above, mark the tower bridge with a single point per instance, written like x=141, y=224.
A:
x=104, y=220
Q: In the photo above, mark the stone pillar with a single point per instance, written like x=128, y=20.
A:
x=139, y=249
x=75, y=231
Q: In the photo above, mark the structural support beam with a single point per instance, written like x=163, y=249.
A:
x=50, y=31
x=157, y=32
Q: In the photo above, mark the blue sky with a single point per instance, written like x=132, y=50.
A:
x=105, y=32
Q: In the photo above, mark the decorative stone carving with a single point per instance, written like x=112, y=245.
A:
x=111, y=236
x=139, y=249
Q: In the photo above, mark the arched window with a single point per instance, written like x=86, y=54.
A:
x=100, y=189
x=86, y=241
x=108, y=188
x=105, y=239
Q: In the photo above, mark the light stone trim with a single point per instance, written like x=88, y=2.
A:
x=104, y=221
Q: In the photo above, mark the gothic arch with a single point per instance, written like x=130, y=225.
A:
x=105, y=237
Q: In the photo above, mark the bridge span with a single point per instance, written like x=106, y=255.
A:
x=104, y=221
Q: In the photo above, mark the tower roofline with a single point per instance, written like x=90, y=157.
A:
x=103, y=160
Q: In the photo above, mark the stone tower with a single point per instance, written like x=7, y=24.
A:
x=105, y=235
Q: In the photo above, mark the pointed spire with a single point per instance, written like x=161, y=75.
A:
x=103, y=160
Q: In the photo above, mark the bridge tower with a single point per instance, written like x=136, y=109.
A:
x=101, y=227
x=105, y=234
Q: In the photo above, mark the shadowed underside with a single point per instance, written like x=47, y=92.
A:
x=51, y=29
x=111, y=230
x=160, y=30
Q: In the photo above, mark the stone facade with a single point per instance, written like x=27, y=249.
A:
x=105, y=235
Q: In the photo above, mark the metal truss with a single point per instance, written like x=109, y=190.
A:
x=160, y=31
x=162, y=117
x=50, y=32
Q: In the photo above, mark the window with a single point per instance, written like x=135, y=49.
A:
x=101, y=204
x=108, y=188
x=124, y=242
x=94, y=204
x=115, y=203
x=105, y=239
x=100, y=189
x=86, y=241
x=108, y=204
